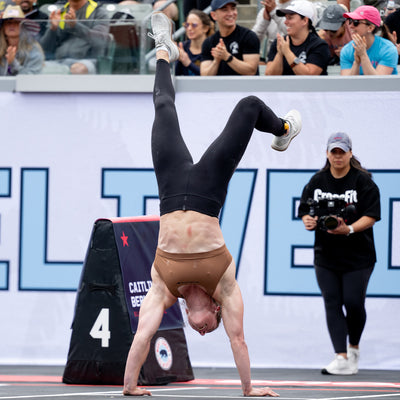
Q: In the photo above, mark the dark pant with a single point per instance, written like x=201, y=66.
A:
x=348, y=289
x=205, y=182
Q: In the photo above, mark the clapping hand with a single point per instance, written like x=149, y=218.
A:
x=282, y=44
x=55, y=18
x=70, y=18
x=269, y=5
x=393, y=38
x=219, y=52
x=183, y=56
x=360, y=47
x=10, y=54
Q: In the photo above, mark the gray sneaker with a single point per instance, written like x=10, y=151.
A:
x=162, y=35
x=339, y=366
x=281, y=143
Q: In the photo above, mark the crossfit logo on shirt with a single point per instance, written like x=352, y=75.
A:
x=234, y=48
x=349, y=196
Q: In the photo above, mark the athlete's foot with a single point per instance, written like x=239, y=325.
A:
x=162, y=34
x=293, y=127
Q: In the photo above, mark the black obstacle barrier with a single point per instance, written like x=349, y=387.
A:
x=114, y=280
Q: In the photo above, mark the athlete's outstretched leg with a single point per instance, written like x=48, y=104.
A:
x=169, y=151
x=225, y=153
x=168, y=148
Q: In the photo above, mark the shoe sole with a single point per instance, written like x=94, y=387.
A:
x=324, y=371
x=288, y=143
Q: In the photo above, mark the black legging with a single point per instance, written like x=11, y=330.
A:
x=202, y=186
x=348, y=289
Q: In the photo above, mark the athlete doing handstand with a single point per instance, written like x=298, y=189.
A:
x=192, y=260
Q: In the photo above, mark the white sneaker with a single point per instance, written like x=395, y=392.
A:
x=162, y=35
x=353, y=356
x=281, y=143
x=339, y=366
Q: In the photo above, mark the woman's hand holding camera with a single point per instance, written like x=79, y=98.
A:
x=310, y=222
x=341, y=229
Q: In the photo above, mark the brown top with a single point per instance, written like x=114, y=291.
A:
x=203, y=269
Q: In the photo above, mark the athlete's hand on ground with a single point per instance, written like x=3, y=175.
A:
x=260, y=392
x=136, y=392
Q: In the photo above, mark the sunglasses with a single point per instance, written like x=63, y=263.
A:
x=190, y=24
x=357, y=22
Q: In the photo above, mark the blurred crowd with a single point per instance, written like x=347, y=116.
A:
x=286, y=37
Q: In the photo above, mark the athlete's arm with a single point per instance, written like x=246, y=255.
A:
x=232, y=317
x=157, y=300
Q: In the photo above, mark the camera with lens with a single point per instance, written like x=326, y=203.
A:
x=329, y=210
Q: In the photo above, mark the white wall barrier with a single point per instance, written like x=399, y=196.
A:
x=68, y=159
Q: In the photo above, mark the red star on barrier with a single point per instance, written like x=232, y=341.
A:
x=124, y=239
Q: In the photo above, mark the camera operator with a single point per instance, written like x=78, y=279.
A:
x=344, y=257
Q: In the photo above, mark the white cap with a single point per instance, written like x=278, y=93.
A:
x=301, y=7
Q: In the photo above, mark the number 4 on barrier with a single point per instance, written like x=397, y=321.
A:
x=100, y=329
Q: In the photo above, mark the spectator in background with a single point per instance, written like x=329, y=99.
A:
x=367, y=53
x=233, y=49
x=76, y=36
x=334, y=30
x=34, y=18
x=392, y=21
x=20, y=53
x=198, y=26
x=301, y=51
x=268, y=24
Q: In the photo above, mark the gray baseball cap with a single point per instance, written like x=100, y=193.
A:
x=332, y=18
x=339, y=140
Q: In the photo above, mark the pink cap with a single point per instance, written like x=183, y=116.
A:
x=369, y=13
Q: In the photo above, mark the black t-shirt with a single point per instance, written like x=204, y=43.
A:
x=240, y=41
x=343, y=252
x=313, y=50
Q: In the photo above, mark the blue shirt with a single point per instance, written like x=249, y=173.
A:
x=381, y=52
